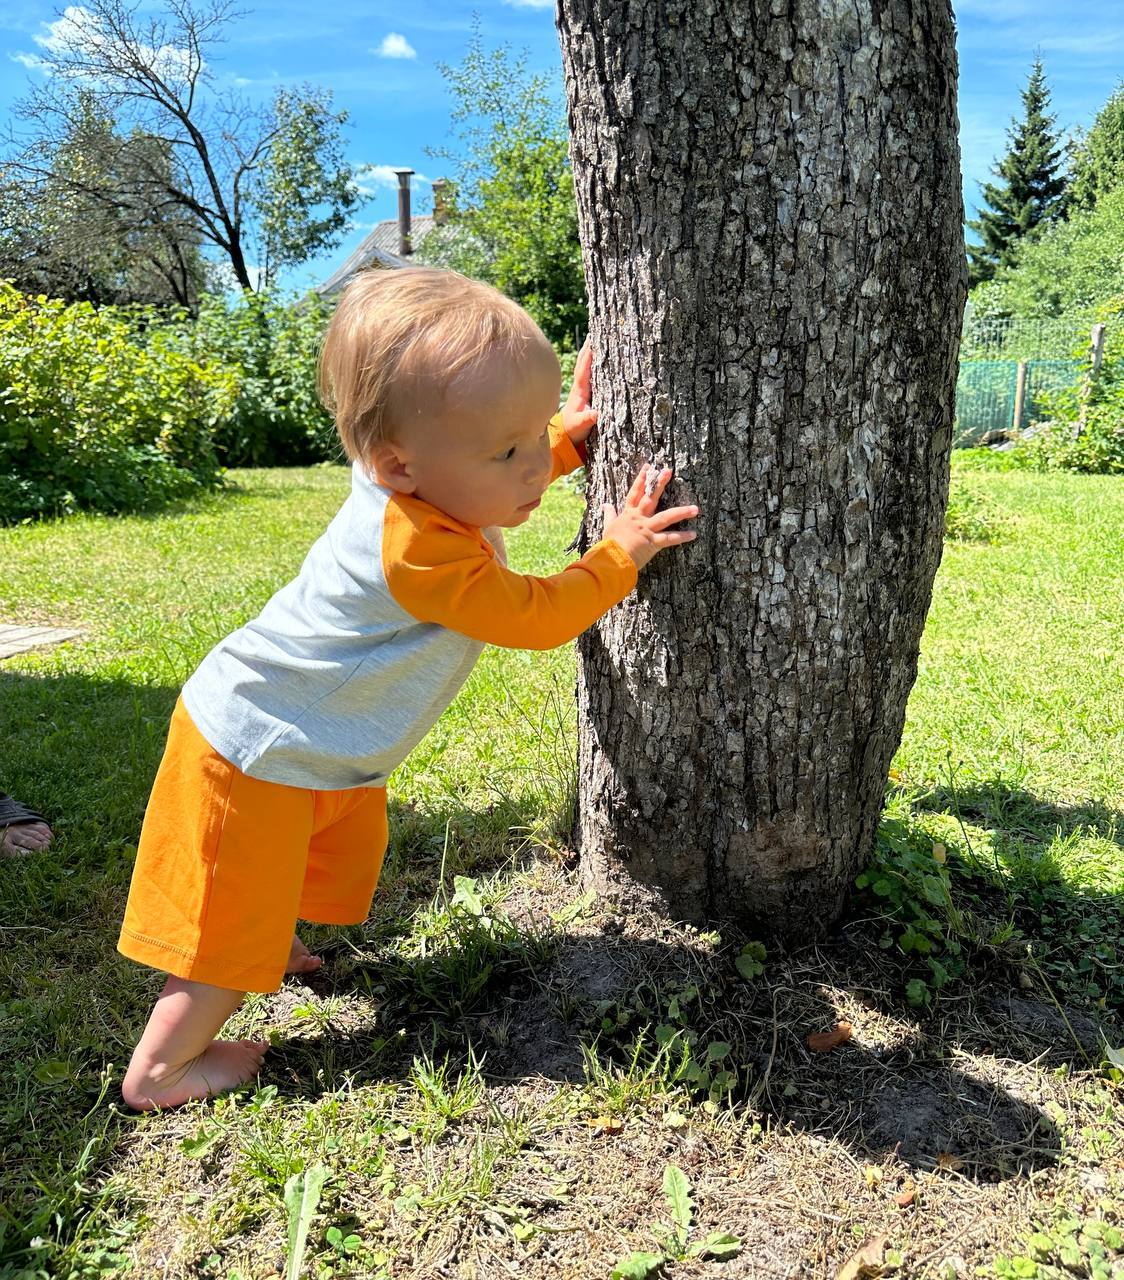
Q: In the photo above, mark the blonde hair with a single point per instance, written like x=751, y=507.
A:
x=400, y=335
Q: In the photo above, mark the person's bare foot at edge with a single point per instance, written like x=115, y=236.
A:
x=301, y=960
x=23, y=837
x=224, y=1064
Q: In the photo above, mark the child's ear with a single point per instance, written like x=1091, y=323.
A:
x=392, y=467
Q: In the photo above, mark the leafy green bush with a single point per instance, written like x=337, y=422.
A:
x=1097, y=447
x=92, y=418
x=277, y=418
x=1085, y=431
x=1066, y=267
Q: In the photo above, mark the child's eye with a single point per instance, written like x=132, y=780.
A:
x=507, y=455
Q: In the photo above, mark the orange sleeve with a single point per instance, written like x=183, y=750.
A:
x=441, y=571
x=566, y=455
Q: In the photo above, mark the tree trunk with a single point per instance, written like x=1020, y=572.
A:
x=771, y=220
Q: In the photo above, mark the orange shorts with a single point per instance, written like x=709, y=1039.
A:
x=227, y=863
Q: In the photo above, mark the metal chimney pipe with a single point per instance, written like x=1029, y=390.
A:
x=404, y=248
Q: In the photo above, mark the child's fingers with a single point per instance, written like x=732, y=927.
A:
x=636, y=492
x=657, y=482
x=607, y=514
x=675, y=538
x=673, y=515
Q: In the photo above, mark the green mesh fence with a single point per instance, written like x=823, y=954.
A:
x=985, y=398
x=990, y=351
x=1046, y=375
x=985, y=394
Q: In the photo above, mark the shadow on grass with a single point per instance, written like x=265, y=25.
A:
x=942, y=1088
x=1023, y=816
x=612, y=1011
x=615, y=1015
x=529, y=996
x=1047, y=859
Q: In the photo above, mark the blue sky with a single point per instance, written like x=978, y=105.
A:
x=380, y=60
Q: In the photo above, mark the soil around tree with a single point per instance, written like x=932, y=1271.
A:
x=949, y=1131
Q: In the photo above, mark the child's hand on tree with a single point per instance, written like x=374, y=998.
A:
x=578, y=419
x=639, y=528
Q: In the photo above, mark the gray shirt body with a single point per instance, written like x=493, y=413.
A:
x=333, y=683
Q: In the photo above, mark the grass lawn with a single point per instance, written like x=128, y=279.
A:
x=496, y=1076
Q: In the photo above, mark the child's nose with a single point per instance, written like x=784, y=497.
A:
x=539, y=473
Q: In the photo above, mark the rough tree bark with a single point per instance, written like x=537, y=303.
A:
x=771, y=218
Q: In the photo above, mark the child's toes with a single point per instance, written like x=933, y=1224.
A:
x=301, y=960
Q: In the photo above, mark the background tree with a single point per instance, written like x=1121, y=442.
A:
x=253, y=183
x=92, y=236
x=1073, y=266
x=771, y=220
x=1098, y=156
x=513, y=220
x=1031, y=190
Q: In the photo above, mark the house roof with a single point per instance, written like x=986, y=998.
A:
x=378, y=249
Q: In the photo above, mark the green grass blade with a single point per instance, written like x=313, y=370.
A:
x=676, y=1189
x=302, y=1195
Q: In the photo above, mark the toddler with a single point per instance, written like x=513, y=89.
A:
x=270, y=801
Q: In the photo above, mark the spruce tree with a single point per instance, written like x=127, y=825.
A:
x=1030, y=192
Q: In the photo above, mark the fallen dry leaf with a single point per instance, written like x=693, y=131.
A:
x=823, y=1041
x=948, y=1163
x=867, y=1262
x=906, y=1196
x=872, y=1175
x=605, y=1125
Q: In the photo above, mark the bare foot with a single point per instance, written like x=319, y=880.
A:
x=301, y=960
x=24, y=837
x=222, y=1065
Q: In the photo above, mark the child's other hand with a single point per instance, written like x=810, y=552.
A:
x=639, y=528
x=578, y=419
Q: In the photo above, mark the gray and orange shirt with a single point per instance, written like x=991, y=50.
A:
x=347, y=667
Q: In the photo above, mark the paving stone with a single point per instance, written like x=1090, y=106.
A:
x=19, y=639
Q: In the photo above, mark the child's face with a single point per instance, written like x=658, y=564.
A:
x=481, y=454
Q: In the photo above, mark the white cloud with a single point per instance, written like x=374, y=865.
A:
x=397, y=46
x=78, y=30
x=30, y=61
x=74, y=27
x=371, y=178
x=1089, y=44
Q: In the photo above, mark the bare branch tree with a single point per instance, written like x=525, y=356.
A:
x=220, y=160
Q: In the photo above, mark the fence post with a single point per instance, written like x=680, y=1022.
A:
x=1020, y=395
x=1096, y=342
x=1097, y=339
